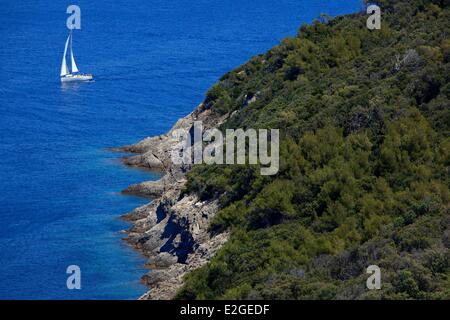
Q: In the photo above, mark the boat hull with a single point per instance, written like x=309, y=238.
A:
x=77, y=78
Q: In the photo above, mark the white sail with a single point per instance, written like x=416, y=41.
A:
x=64, y=69
x=74, y=65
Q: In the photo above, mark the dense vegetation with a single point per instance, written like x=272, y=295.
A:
x=365, y=122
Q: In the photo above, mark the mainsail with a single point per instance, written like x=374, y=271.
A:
x=64, y=69
x=74, y=65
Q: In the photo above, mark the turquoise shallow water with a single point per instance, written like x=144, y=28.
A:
x=153, y=61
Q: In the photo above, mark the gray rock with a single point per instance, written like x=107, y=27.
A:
x=151, y=189
x=162, y=260
x=171, y=231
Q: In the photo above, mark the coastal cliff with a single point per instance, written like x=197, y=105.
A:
x=363, y=178
x=172, y=230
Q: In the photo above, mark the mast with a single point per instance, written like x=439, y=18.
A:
x=74, y=65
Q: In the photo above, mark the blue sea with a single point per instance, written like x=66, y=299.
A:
x=153, y=61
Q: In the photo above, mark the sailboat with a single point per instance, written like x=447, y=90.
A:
x=74, y=75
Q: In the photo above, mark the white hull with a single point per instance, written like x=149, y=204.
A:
x=76, y=77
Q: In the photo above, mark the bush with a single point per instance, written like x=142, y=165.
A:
x=364, y=160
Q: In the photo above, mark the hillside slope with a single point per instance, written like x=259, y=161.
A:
x=364, y=120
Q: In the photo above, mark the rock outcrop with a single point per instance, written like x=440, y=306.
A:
x=152, y=189
x=172, y=230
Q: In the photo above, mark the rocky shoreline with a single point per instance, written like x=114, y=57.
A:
x=172, y=230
